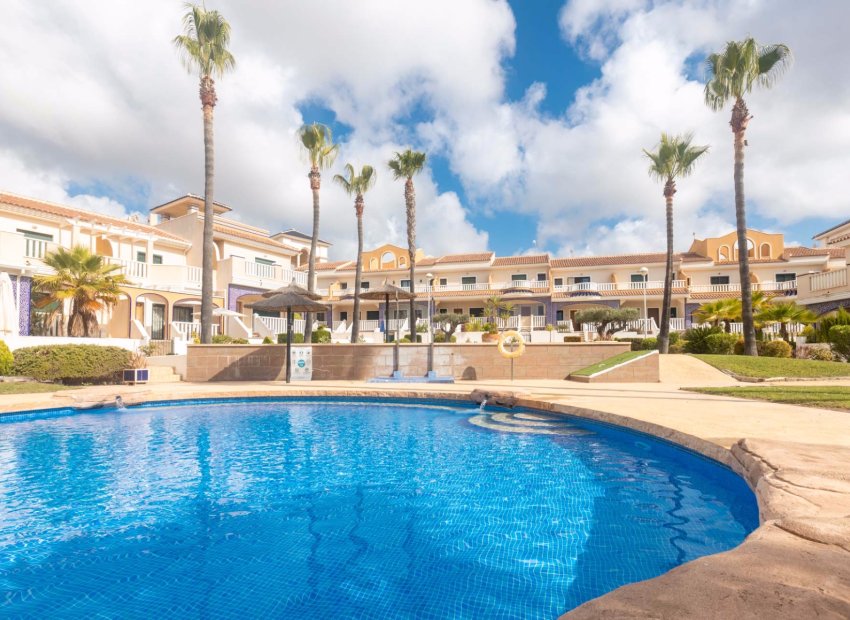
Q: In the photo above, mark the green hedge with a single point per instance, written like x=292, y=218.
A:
x=7, y=361
x=776, y=348
x=720, y=344
x=839, y=338
x=72, y=364
x=695, y=338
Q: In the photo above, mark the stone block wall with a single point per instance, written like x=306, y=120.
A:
x=345, y=362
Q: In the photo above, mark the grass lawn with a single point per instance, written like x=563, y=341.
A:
x=767, y=367
x=829, y=397
x=30, y=388
x=611, y=361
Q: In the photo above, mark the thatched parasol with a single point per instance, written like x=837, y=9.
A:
x=385, y=292
x=292, y=287
x=288, y=302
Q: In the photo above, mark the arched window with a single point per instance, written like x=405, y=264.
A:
x=387, y=259
x=764, y=251
x=723, y=252
x=401, y=261
x=373, y=264
x=751, y=249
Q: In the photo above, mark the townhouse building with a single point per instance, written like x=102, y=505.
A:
x=161, y=259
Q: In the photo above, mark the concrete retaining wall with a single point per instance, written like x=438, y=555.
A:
x=641, y=370
x=365, y=361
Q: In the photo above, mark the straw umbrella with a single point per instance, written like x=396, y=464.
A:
x=288, y=302
x=292, y=287
x=386, y=292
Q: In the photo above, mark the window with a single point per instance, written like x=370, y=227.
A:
x=372, y=315
x=443, y=311
x=181, y=313
x=540, y=311
x=141, y=257
x=468, y=280
x=519, y=277
x=387, y=258
x=343, y=315
x=443, y=281
x=364, y=285
x=477, y=312
x=156, y=259
x=720, y=280
x=581, y=279
x=559, y=282
x=458, y=310
x=401, y=261
x=405, y=284
x=343, y=286
x=764, y=250
x=673, y=312
x=320, y=317
x=541, y=277
x=723, y=252
x=29, y=234
x=264, y=261
x=637, y=280
x=559, y=315
x=785, y=277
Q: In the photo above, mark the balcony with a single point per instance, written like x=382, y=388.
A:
x=161, y=277
x=236, y=270
x=18, y=250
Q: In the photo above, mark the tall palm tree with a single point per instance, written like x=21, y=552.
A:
x=732, y=74
x=405, y=166
x=320, y=151
x=356, y=185
x=673, y=158
x=203, y=47
x=86, y=280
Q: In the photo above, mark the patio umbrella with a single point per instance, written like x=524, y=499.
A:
x=288, y=302
x=8, y=309
x=293, y=288
x=385, y=292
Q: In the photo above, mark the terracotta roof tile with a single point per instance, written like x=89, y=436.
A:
x=241, y=234
x=476, y=257
x=331, y=265
x=531, y=259
x=802, y=251
x=62, y=211
x=621, y=259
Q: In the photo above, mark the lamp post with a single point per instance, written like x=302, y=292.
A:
x=645, y=273
x=430, y=277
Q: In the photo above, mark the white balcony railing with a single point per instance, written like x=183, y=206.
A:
x=37, y=248
x=133, y=270
x=828, y=280
x=189, y=329
x=677, y=324
x=370, y=325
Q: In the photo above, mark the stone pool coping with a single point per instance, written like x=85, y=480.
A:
x=796, y=564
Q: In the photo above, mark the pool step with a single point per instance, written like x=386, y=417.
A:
x=507, y=418
x=518, y=426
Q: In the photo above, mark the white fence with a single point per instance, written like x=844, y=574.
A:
x=189, y=329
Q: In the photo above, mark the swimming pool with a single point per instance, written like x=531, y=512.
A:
x=336, y=509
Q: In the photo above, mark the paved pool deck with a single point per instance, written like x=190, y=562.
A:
x=796, y=565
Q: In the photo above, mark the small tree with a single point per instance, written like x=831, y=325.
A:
x=495, y=308
x=448, y=323
x=607, y=320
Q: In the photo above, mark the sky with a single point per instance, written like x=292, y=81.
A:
x=533, y=114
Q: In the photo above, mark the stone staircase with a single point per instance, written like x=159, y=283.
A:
x=529, y=423
x=162, y=374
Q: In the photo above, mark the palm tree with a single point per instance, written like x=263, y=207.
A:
x=320, y=151
x=495, y=308
x=732, y=75
x=785, y=313
x=405, y=166
x=86, y=280
x=357, y=185
x=721, y=311
x=203, y=46
x=673, y=158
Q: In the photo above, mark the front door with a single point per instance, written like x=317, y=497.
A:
x=654, y=313
x=525, y=317
x=157, y=321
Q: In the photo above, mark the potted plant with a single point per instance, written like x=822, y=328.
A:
x=491, y=333
x=137, y=371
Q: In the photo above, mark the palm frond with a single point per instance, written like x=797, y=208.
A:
x=407, y=164
x=203, y=44
x=743, y=64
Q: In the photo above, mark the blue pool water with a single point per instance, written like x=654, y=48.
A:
x=343, y=510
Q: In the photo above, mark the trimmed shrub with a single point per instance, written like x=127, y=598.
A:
x=674, y=338
x=649, y=344
x=827, y=322
x=776, y=348
x=678, y=347
x=821, y=354
x=7, y=360
x=739, y=346
x=268, y=340
x=839, y=338
x=721, y=343
x=296, y=339
x=72, y=364
x=320, y=336
x=696, y=336
x=634, y=342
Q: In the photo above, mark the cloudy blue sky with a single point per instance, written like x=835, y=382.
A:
x=533, y=113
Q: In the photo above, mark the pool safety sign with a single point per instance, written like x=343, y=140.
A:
x=301, y=360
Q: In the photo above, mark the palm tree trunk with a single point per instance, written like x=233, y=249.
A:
x=358, y=274
x=664, y=332
x=208, y=99
x=315, y=185
x=410, y=203
x=740, y=118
